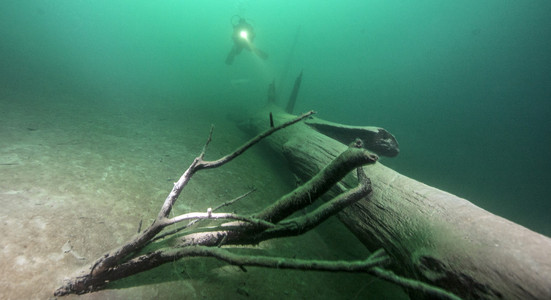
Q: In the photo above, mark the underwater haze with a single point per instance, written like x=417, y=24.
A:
x=465, y=86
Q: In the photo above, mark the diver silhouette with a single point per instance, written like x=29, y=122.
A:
x=243, y=37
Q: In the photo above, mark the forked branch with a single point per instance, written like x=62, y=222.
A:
x=272, y=222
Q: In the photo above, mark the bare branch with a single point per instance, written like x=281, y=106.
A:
x=376, y=259
x=207, y=143
x=108, y=260
x=305, y=223
x=199, y=163
x=318, y=185
x=210, y=215
x=156, y=258
x=250, y=143
x=227, y=203
x=428, y=289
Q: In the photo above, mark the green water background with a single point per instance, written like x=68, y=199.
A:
x=465, y=86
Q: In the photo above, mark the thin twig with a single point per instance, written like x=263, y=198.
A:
x=413, y=284
x=234, y=200
x=250, y=143
x=289, y=263
x=227, y=203
x=207, y=143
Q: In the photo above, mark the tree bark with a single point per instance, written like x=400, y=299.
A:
x=432, y=235
x=275, y=221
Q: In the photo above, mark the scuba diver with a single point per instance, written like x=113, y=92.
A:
x=243, y=36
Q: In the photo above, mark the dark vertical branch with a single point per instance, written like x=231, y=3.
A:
x=290, y=55
x=294, y=94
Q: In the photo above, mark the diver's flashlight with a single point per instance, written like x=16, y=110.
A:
x=244, y=34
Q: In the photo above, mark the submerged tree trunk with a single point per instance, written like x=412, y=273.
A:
x=433, y=236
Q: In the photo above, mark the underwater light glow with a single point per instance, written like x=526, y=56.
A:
x=244, y=34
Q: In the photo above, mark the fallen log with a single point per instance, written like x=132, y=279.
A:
x=432, y=235
x=150, y=249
